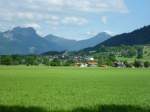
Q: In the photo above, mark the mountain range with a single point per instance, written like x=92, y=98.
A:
x=26, y=41
x=137, y=37
x=73, y=45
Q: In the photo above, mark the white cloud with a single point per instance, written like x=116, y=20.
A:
x=91, y=33
x=110, y=32
x=25, y=15
x=37, y=6
x=66, y=20
x=104, y=19
x=87, y=5
x=33, y=25
x=48, y=14
x=120, y=5
x=42, y=10
x=53, y=20
x=74, y=20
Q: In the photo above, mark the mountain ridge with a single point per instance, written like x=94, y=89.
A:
x=139, y=36
x=22, y=40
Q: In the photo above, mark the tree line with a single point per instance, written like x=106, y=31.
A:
x=33, y=60
x=30, y=60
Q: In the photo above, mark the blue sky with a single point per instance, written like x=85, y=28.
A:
x=75, y=19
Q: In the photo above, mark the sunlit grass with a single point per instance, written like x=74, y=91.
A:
x=63, y=88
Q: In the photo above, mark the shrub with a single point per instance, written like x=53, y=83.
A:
x=128, y=65
x=138, y=64
x=146, y=64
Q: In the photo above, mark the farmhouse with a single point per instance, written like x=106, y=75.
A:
x=92, y=63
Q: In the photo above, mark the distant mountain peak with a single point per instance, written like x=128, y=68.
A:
x=24, y=29
x=102, y=34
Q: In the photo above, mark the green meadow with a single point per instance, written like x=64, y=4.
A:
x=60, y=89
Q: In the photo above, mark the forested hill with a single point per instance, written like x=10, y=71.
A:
x=137, y=37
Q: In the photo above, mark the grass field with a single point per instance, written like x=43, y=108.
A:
x=45, y=89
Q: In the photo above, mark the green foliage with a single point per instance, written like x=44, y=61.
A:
x=140, y=53
x=138, y=63
x=106, y=59
x=31, y=60
x=46, y=61
x=129, y=52
x=146, y=64
x=68, y=63
x=6, y=60
x=55, y=62
x=128, y=65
